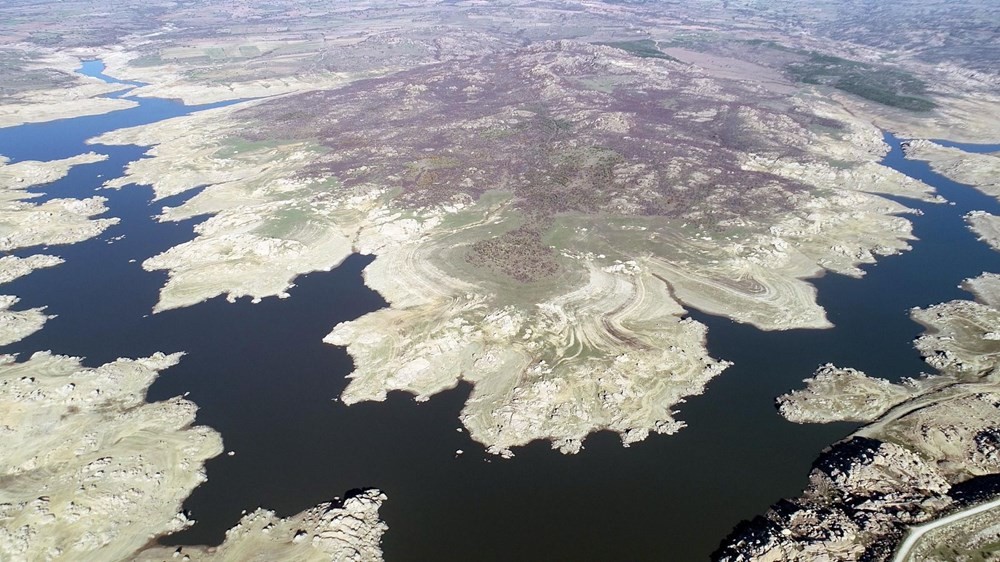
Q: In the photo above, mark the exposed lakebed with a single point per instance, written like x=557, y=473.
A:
x=262, y=377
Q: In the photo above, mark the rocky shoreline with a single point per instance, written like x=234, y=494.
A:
x=932, y=447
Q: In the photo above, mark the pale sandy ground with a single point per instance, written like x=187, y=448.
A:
x=80, y=99
x=13, y=267
x=17, y=325
x=986, y=226
x=91, y=471
x=168, y=81
x=735, y=69
x=835, y=394
x=986, y=288
x=16, y=177
x=980, y=170
x=57, y=221
x=327, y=533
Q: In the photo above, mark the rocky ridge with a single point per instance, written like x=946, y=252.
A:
x=928, y=439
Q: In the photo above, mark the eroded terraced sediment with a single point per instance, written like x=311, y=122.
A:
x=929, y=439
x=538, y=220
x=613, y=354
x=980, y=170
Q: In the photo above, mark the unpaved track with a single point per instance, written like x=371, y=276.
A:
x=916, y=533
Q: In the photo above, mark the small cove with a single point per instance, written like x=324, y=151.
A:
x=262, y=377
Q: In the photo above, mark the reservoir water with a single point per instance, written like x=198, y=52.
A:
x=262, y=377
x=966, y=147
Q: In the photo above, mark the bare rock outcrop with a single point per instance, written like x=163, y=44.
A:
x=835, y=394
x=56, y=221
x=980, y=170
x=90, y=470
x=928, y=437
x=862, y=496
x=347, y=531
x=986, y=226
x=16, y=325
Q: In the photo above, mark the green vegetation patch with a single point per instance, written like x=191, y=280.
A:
x=17, y=77
x=767, y=44
x=249, y=51
x=500, y=132
x=286, y=224
x=605, y=84
x=697, y=41
x=595, y=162
x=425, y=172
x=235, y=146
x=887, y=86
x=215, y=53
x=518, y=254
x=645, y=48
x=45, y=38
x=146, y=60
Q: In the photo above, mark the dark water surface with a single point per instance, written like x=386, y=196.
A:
x=966, y=147
x=264, y=379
